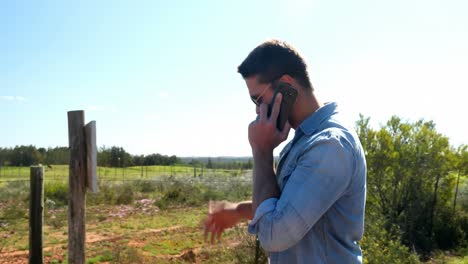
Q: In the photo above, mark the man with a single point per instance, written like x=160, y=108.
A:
x=311, y=209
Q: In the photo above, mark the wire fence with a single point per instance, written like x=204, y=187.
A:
x=15, y=181
x=125, y=174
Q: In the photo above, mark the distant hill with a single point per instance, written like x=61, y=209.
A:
x=223, y=159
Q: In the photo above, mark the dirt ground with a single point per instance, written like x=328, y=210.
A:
x=137, y=241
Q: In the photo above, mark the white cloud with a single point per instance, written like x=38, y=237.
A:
x=297, y=11
x=13, y=98
x=163, y=95
x=152, y=118
x=95, y=108
x=101, y=108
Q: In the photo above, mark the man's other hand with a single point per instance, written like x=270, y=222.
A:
x=221, y=215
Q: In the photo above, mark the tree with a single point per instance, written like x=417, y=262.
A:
x=461, y=166
x=409, y=179
x=25, y=156
x=138, y=160
x=57, y=155
x=4, y=156
x=103, y=156
x=119, y=157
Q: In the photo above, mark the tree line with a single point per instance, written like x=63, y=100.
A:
x=210, y=163
x=107, y=157
x=416, y=184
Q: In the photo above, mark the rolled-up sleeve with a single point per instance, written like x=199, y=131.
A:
x=321, y=176
x=264, y=208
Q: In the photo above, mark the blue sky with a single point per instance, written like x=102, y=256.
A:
x=160, y=76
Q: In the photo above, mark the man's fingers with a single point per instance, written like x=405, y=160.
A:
x=285, y=132
x=206, y=227
x=276, y=107
x=220, y=232
x=213, y=233
x=263, y=116
x=205, y=232
x=215, y=230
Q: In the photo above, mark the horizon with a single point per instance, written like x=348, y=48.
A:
x=161, y=77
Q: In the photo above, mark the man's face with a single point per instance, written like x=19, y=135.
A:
x=260, y=93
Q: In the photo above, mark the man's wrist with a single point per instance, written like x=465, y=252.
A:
x=262, y=153
x=244, y=210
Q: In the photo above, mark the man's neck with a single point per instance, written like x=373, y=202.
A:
x=304, y=108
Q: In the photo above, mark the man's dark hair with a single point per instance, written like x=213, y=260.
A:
x=271, y=60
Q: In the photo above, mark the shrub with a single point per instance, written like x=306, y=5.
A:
x=58, y=221
x=177, y=193
x=238, y=191
x=17, y=190
x=112, y=193
x=380, y=246
x=56, y=192
x=247, y=251
x=448, y=232
x=145, y=186
x=15, y=211
x=122, y=254
x=125, y=194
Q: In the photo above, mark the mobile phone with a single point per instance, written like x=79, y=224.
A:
x=289, y=97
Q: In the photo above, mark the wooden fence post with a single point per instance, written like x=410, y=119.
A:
x=36, y=214
x=91, y=156
x=77, y=185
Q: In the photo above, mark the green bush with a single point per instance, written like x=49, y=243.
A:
x=248, y=250
x=15, y=211
x=381, y=246
x=58, y=221
x=14, y=203
x=125, y=194
x=57, y=192
x=18, y=190
x=237, y=191
x=122, y=254
x=113, y=193
x=179, y=193
x=448, y=229
x=105, y=195
x=146, y=186
x=211, y=194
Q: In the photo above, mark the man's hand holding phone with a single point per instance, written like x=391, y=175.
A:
x=264, y=135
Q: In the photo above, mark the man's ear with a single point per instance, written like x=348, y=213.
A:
x=287, y=78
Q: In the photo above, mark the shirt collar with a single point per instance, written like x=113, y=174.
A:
x=311, y=123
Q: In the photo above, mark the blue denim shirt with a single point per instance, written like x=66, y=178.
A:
x=319, y=216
